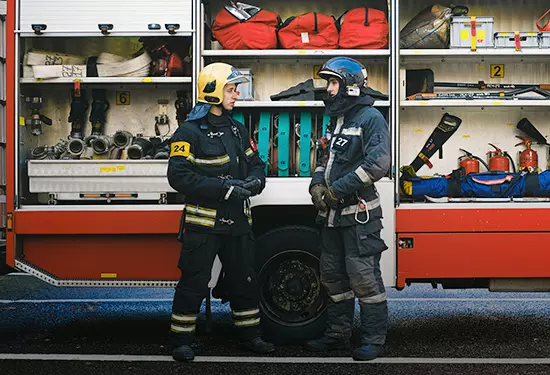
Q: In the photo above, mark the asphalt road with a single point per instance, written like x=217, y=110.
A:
x=49, y=330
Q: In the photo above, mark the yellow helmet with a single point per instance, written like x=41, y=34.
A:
x=213, y=78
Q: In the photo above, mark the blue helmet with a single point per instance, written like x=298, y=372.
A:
x=351, y=74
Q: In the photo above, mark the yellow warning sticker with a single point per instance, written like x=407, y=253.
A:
x=464, y=34
x=115, y=168
x=180, y=149
x=21, y=121
x=497, y=70
x=481, y=36
x=109, y=275
x=465, y=136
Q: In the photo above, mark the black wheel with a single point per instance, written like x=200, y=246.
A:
x=292, y=300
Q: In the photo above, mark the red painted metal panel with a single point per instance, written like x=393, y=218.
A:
x=97, y=222
x=130, y=257
x=474, y=255
x=464, y=220
x=10, y=127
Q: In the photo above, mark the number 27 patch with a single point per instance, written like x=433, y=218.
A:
x=180, y=149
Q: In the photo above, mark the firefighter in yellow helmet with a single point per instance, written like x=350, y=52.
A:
x=216, y=166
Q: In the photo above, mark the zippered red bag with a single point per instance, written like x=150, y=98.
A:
x=257, y=32
x=309, y=31
x=363, y=28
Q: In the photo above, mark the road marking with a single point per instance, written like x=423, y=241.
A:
x=122, y=300
x=138, y=300
x=469, y=299
x=295, y=360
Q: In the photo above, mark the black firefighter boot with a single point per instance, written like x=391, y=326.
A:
x=338, y=331
x=258, y=345
x=374, y=326
x=183, y=353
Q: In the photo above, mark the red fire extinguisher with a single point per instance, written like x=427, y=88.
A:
x=470, y=162
x=528, y=158
x=500, y=160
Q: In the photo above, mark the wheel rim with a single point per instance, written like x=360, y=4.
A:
x=291, y=292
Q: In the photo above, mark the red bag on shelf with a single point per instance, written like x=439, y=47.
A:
x=309, y=31
x=364, y=28
x=257, y=32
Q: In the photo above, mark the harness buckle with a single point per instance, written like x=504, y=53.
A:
x=212, y=134
x=226, y=221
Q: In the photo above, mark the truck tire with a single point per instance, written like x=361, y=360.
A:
x=292, y=299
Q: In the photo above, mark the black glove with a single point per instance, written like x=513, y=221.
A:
x=330, y=199
x=254, y=184
x=317, y=192
x=234, y=192
x=239, y=183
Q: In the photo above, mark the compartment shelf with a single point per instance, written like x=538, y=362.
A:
x=293, y=53
x=284, y=104
x=475, y=103
x=504, y=54
x=114, y=80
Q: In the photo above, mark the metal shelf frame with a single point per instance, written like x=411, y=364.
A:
x=109, y=80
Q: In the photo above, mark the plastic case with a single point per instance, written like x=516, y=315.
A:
x=246, y=89
x=461, y=32
x=544, y=39
x=527, y=39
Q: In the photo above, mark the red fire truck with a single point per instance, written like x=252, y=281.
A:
x=93, y=87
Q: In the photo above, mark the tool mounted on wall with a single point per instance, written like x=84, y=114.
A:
x=545, y=27
x=447, y=126
x=162, y=118
x=36, y=120
x=79, y=107
x=98, y=114
x=183, y=105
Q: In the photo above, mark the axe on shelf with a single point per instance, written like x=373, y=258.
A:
x=422, y=81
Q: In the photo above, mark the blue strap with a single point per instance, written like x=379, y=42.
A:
x=305, y=144
x=263, y=136
x=283, y=144
x=238, y=116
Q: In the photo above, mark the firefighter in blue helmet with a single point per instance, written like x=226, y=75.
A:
x=342, y=190
x=216, y=166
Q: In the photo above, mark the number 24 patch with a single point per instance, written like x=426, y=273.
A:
x=180, y=149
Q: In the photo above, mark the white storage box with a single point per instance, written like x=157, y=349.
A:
x=544, y=39
x=246, y=89
x=98, y=176
x=463, y=27
x=524, y=40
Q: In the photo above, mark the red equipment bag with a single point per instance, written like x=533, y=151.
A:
x=258, y=32
x=309, y=31
x=364, y=28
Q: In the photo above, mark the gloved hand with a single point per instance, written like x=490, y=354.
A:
x=253, y=184
x=317, y=192
x=234, y=192
x=239, y=183
x=330, y=198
